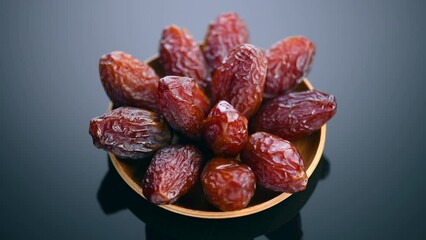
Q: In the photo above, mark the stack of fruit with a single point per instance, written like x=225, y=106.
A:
x=223, y=113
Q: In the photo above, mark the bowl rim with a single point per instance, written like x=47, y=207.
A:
x=227, y=214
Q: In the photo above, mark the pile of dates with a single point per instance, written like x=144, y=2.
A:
x=223, y=113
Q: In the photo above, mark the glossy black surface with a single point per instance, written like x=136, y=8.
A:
x=370, y=55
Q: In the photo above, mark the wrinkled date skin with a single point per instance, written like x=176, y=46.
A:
x=224, y=34
x=172, y=172
x=181, y=55
x=228, y=184
x=127, y=81
x=289, y=60
x=296, y=114
x=275, y=162
x=183, y=104
x=240, y=80
x=130, y=133
x=225, y=130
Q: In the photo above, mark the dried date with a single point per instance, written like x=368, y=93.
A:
x=296, y=114
x=224, y=34
x=181, y=55
x=275, y=162
x=228, y=184
x=127, y=81
x=129, y=132
x=172, y=172
x=289, y=60
x=183, y=104
x=225, y=130
x=240, y=80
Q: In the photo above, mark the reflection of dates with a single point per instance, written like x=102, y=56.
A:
x=129, y=132
x=228, y=184
x=275, y=162
x=172, y=172
x=127, y=81
x=183, y=104
x=240, y=79
x=180, y=55
x=295, y=114
x=289, y=60
x=225, y=130
x=225, y=33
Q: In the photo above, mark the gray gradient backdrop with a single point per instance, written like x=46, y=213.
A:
x=370, y=55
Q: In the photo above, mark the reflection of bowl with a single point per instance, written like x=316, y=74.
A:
x=193, y=204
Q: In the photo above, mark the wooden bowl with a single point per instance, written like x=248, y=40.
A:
x=193, y=204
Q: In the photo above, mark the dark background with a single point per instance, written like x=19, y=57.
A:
x=370, y=55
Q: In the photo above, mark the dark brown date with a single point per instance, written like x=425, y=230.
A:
x=181, y=55
x=289, y=60
x=225, y=130
x=224, y=34
x=275, y=162
x=172, y=172
x=183, y=104
x=296, y=114
x=240, y=80
x=228, y=184
x=129, y=132
x=127, y=81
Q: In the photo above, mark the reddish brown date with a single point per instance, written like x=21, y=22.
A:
x=225, y=33
x=129, y=132
x=225, y=130
x=181, y=55
x=172, y=172
x=296, y=114
x=240, y=80
x=275, y=162
x=183, y=104
x=289, y=60
x=228, y=184
x=127, y=81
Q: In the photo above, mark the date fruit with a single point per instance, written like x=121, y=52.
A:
x=276, y=163
x=289, y=60
x=183, y=104
x=172, y=172
x=228, y=184
x=225, y=130
x=181, y=55
x=296, y=114
x=240, y=80
x=224, y=34
x=127, y=81
x=129, y=132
